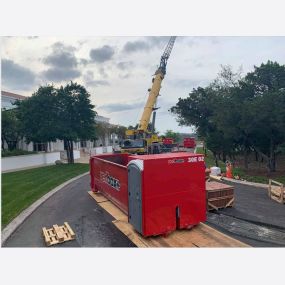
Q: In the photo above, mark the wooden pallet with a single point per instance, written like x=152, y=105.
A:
x=276, y=193
x=219, y=195
x=220, y=203
x=58, y=234
x=199, y=236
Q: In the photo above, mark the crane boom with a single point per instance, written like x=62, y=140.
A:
x=166, y=54
x=156, y=85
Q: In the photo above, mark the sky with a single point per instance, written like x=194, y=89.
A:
x=117, y=71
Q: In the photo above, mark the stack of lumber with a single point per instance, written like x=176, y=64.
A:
x=276, y=193
x=58, y=234
x=219, y=195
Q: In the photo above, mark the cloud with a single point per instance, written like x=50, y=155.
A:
x=63, y=63
x=199, y=64
x=103, y=72
x=62, y=56
x=146, y=44
x=96, y=83
x=135, y=46
x=62, y=59
x=186, y=83
x=60, y=74
x=16, y=76
x=62, y=46
x=83, y=61
x=124, y=76
x=120, y=107
x=158, y=41
x=123, y=65
x=102, y=54
x=90, y=81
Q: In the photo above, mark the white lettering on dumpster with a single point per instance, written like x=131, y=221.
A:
x=195, y=159
x=170, y=161
x=108, y=179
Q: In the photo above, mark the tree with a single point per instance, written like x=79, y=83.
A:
x=173, y=135
x=267, y=121
x=236, y=113
x=11, y=128
x=130, y=127
x=103, y=130
x=119, y=130
x=197, y=110
x=39, y=115
x=65, y=113
x=76, y=116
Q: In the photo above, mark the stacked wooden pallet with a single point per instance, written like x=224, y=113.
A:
x=219, y=195
x=276, y=193
x=58, y=234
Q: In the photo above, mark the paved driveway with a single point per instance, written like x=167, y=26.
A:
x=253, y=204
x=255, y=219
x=93, y=225
x=94, y=228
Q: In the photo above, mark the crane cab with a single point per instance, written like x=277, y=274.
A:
x=141, y=143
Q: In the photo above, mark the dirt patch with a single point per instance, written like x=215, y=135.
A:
x=258, y=165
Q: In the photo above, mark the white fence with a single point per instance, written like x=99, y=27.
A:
x=76, y=154
x=100, y=150
x=30, y=160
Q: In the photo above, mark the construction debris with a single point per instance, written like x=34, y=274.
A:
x=58, y=234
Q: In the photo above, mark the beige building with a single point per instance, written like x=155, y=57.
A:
x=7, y=101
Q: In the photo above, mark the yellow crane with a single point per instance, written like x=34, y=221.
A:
x=141, y=140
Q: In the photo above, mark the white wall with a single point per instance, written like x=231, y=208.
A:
x=23, y=161
x=101, y=149
x=76, y=154
x=57, y=145
x=6, y=102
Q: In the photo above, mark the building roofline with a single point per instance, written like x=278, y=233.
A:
x=12, y=95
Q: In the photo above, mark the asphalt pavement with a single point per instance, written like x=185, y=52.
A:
x=92, y=225
x=254, y=219
x=253, y=204
x=94, y=228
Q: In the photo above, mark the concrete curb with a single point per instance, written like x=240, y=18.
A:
x=14, y=224
x=245, y=182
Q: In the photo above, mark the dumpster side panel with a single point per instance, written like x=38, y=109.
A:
x=91, y=172
x=111, y=180
x=174, y=193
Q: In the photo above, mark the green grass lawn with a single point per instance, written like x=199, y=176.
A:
x=21, y=188
x=210, y=161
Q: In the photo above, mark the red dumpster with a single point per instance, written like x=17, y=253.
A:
x=109, y=175
x=189, y=143
x=159, y=193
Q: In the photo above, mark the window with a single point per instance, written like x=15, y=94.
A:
x=83, y=144
x=40, y=146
